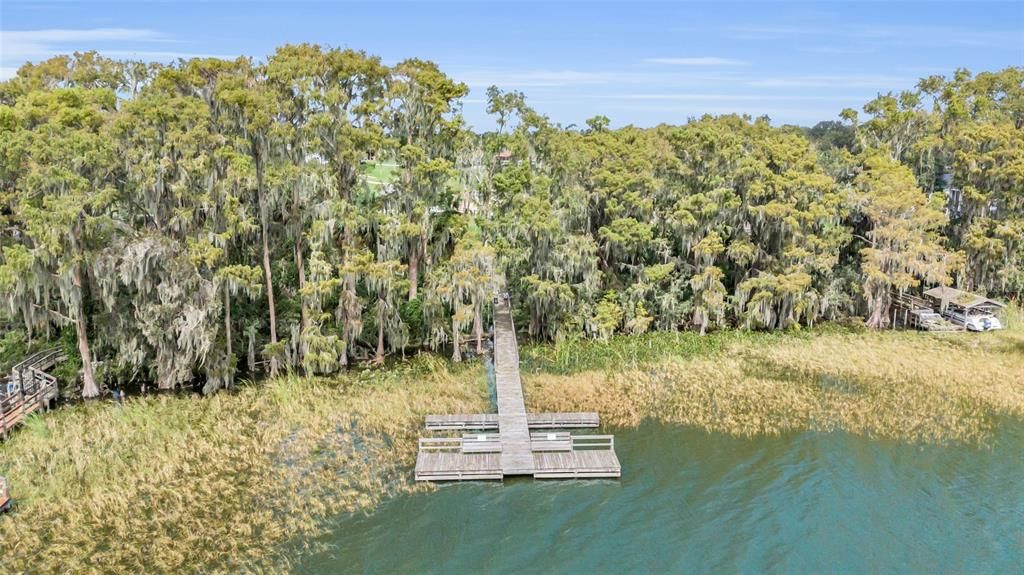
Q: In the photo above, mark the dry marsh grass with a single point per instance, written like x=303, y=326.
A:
x=899, y=385
x=220, y=484
x=241, y=482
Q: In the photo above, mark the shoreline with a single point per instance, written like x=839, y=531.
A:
x=165, y=483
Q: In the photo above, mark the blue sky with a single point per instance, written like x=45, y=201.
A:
x=636, y=63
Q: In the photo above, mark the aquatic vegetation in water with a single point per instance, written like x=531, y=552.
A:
x=900, y=385
x=222, y=484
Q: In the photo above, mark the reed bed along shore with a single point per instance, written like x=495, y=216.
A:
x=216, y=485
x=901, y=385
x=243, y=482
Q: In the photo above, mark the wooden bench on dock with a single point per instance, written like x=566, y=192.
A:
x=551, y=441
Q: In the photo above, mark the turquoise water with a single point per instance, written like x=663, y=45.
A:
x=692, y=502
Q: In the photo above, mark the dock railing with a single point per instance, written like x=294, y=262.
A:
x=589, y=442
x=469, y=443
x=28, y=388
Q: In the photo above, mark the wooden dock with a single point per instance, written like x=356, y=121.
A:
x=28, y=388
x=517, y=448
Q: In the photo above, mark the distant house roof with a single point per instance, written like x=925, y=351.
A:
x=961, y=298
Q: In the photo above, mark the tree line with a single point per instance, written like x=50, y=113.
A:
x=194, y=221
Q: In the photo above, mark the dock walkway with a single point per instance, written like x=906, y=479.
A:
x=28, y=388
x=516, y=455
x=514, y=449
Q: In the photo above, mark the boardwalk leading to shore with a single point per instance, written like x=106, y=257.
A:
x=514, y=450
x=28, y=388
x=516, y=454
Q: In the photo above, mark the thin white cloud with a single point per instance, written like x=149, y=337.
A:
x=62, y=35
x=700, y=61
x=26, y=44
x=484, y=77
x=774, y=32
x=834, y=81
x=150, y=55
x=20, y=46
x=913, y=35
x=891, y=35
x=671, y=97
x=919, y=71
x=537, y=78
x=837, y=50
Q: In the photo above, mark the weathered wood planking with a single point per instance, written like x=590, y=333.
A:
x=448, y=466
x=455, y=466
x=489, y=421
x=576, y=464
x=516, y=457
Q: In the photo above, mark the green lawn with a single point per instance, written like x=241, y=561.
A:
x=379, y=174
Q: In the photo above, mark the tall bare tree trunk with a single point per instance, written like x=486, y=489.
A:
x=303, y=311
x=346, y=331
x=227, y=320
x=379, y=358
x=229, y=377
x=349, y=295
x=456, y=352
x=414, y=272
x=300, y=265
x=264, y=231
x=89, y=387
x=349, y=298
x=270, y=298
x=478, y=329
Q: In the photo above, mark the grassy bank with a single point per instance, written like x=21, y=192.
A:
x=894, y=384
x=223, y=484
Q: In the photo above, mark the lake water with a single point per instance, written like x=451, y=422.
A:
x=692, y=502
